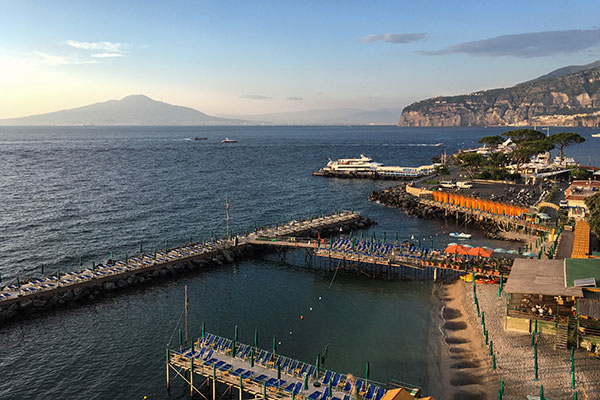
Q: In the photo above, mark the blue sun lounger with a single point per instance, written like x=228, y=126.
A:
x=336, y=380
x=260, y=379
x=237, y=372
x=298, y=388
x=358, y=385
x=226, y=345
x=327, y=378
x=267, y=358
x=211, y=361
x=219, y=343
x=219, y=364
x=262, y=354
x=347, y=387
x=303, y=370
x=325, y=394
x=380, y=393
x=225, y=367
x=314, y=395
x=292, y=367
x=208, y=355
x=246, y=374
x=370, y=392
x=290, y=387
x=311, y=370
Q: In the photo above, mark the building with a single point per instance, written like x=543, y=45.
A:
x=576, y=194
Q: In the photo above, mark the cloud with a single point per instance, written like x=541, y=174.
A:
x=254, y=97
x=50, y=59
x=527, y=45
x=394, y=37
x=107, y=55
x=294, y=98
x=111, y=47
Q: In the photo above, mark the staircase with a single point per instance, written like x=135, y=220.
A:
x=562, y=333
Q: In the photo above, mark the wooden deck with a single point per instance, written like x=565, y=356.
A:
x=265, y=374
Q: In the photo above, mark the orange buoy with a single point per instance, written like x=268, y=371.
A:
x=302, y=317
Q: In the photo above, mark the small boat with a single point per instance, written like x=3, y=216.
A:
x=200, y=138
x=595, y=134
x=438, y=144
x=460, y=235
x=227, y=140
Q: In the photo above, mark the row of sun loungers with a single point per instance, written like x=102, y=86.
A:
x=212, y=344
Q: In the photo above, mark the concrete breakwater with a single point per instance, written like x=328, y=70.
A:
x=36, y=295
x=397, y=196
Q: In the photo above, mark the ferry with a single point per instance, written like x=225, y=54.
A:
x=348, y=165
x=227, y=140
x=365, y=167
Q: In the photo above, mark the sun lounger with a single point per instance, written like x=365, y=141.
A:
x=219, y=364
x=225, y=367
x=260, y=379
x=272, y=382
x=325, y=394
x=290, y=387
x=327, y=377
x=219, y=343
x=347, y=387
x=311, y=370
x=208, y=355
x=246, y=374
x=315, y=395
x=267, y=358
x=298, y=388
x=237, y=372
x=292, y=367
x=211, y=361
x=370, y=392
x=358, y=385
x=380, y=393
x=303, y=370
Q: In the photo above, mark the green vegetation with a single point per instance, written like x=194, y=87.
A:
x=578, y=174
x=527, y=144
x=442, y=170
x=563, y=139
x=470, y=162
x=593, y=205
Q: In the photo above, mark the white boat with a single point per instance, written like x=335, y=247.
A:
x=595, y=134
x=460, y=235
x=348, y=165
x=227, y=140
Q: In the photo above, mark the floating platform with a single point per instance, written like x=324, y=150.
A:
x=266, y=374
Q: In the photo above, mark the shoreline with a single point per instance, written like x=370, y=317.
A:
x=464, y=367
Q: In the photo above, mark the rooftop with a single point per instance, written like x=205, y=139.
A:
x=581, y=268
x=546, y=277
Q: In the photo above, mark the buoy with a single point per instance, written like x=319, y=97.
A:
x=319, y=297
x=302, y=317
x=290, y=332
x=310, y=309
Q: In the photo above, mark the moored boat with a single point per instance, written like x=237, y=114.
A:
x=460, y=235
x=227, y=140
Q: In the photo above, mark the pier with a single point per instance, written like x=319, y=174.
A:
x=36, y=294
x=264, y=374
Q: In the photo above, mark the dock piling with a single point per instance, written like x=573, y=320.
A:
x=168, y=380
x=191, y=376
x=214, y=387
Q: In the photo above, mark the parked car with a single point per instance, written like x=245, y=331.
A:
x=464, y=185
x=563, y=204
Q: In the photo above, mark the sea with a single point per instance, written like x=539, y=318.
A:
x=76, y=194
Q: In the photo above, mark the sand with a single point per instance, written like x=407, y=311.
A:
x=468, y=372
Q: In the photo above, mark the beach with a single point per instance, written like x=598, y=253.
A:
x=470, y=374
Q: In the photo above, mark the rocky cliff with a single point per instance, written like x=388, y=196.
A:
x=569, y=100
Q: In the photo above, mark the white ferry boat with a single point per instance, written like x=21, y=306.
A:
x=349, y=165
x=365, y=167
x=227, y=140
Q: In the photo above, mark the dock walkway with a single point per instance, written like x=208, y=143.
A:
x=266, y=374
x=40, y=288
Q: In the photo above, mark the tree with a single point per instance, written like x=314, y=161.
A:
x=491, y=141
x=564, y=139
x=593, y=205
x=526, y=150
x=578, y=174
x=520, y=136
x=470, y=161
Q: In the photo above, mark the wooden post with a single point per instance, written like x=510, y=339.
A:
x=192, y=376
x=214, y=383
x=168, y=380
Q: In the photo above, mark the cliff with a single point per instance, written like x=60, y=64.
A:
x=568, y=100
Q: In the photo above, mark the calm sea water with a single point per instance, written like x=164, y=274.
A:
x=84, y=192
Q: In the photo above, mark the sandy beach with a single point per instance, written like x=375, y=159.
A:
x=469, y=374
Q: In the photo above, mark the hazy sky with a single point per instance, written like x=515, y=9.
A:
x=246, y=57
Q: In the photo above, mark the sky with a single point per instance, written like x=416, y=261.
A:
x=252, y=57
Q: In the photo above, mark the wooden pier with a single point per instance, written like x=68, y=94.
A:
x=263, y=374
x=24, y=296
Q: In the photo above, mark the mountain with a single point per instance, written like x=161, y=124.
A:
x=559, y=99
x=328, y=116
x=571, y=69
x=130, y=110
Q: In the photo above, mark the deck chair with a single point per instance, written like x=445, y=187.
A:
x=370, y=392
x=327, y=377
x=238, y=372
x=380, y=393
x=336, y=380
x=315, y=395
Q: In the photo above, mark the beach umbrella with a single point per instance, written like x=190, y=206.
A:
x=317, y=364
x=278, y=370
x=367, y=371
x=305, y=382
x=452, y=249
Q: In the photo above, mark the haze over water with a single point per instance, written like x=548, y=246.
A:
x=71, y=192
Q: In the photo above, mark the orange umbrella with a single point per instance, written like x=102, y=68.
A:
x=452, y=249
x=480, y=252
